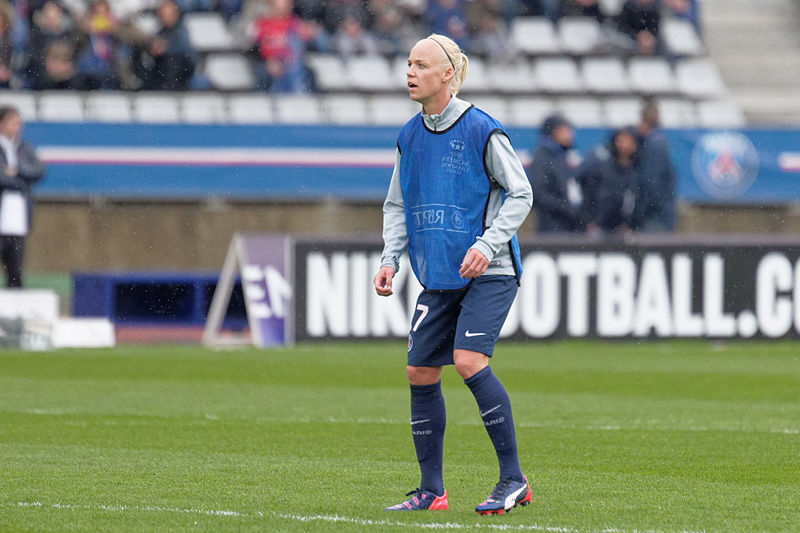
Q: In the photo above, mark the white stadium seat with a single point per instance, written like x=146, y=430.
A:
x=203, y=109
x=580, y=35
x=699, y=78
x=611, y=8
x=61, y=107
x=370, y=73
x=24, y=102
x=229, y=72
x=558, y=75
x=250, y=109
x=582, y=112
x=676, y=113
x=515, y=77
x=328, y=71
x=298, y=109
x=681, y=39
x=208, y=32
x=399, y=66
x=146, y=22
x=108, y=107
x=529, y=112
x=534, y=35
x=720, y=114
x=651, y=75
x=477, y=77
x=605, y=75
x=496, y=107
x=392, y=110
x=622, y=112
x=156, y=108
x=347, y=109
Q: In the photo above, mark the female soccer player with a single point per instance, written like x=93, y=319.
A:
x=457, y=197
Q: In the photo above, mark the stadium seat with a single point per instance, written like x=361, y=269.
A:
x=399, y=67
x=477, y=77
x=328, y=71
x=558, y=75
x=611, y=8
x=208, y=32
x=392, y=110
x=229, y=72
x=108, y=107
x=510, y=78
x=529, y=112
x=370, y=73
x=156, y=108
x=699, y=78
x=605, y=75
x=582, y=112
x=676, y=113
x=24, y=102
x=298, y=109
x=496, y=107
x=146, y=22
x=622, y=112
x=60, y=106
x=651, y=75
x=680, y=38
x=203, y=109
x=720, y=114
x=250, y=109
x=346, y=109
x=534, y=36
x=579, y=35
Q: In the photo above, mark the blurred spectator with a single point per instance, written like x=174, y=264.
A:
x=640, y=20
x=168, y=61
x=490, y=36
x=97, y=62
x=581, y=8
x=336, y=11
x=59, y=70
x=538, y=8
x=312, y=13
x=6, y=47
x=279, y=36
x=50, y=24
x=20, y=170
x=447, y=17
x=392, y=26
x=608, y=180
x=352, y=39
x=655, y=198
x=556, y=193
x=686, y=9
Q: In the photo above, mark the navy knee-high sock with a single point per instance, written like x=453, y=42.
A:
x=495, y=410
x=428, y=420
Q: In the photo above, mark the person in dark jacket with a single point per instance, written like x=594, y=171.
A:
x=169, y=61
x=640, y=20
x=608, y=179
x=20, y=170
x=556, y=196
x=655, y=197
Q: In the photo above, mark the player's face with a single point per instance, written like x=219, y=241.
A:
x=426, y=75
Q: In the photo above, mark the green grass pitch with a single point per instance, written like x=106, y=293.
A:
x=677, y=436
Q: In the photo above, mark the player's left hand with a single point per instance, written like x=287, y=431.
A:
x=474, y=264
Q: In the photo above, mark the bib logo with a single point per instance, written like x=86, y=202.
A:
x=457, y=145
x=457, y=220
x=725, y=164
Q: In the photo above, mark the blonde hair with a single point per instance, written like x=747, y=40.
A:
x=455, y=58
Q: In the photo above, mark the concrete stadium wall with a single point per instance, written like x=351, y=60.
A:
x=104, y=235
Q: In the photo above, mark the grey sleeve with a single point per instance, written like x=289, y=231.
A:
x=395, y=234
x=506, y=170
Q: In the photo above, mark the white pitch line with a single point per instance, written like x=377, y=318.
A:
x=311, y=518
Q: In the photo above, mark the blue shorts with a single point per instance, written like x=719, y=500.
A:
x=467, y=319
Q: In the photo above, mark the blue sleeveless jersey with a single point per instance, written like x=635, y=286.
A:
x=445, y=187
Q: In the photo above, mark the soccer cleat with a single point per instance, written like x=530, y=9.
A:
x=506, y=495
x=421, y=500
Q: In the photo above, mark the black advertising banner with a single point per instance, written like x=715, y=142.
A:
x=658, y=287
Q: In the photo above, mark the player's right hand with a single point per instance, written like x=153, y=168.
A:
x=383, y=281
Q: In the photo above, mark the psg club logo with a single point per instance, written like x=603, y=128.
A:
x=725, y=164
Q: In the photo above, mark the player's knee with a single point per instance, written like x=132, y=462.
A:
x=469, y=363
x=422, y=375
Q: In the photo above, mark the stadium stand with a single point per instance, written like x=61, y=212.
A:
x=576, y=64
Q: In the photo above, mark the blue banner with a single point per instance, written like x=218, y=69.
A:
x=280, y=162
